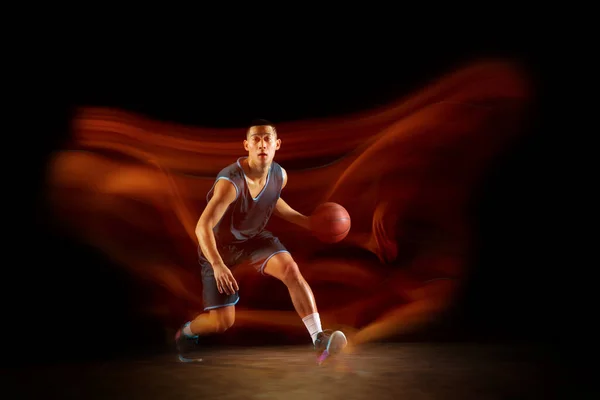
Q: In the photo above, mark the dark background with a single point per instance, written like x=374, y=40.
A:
x=69, y=302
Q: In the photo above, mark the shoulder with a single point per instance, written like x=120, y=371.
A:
x=229, y=180
x=231, y=171
x=226, y=189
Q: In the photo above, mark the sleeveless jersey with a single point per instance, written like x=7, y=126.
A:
x=246, y=217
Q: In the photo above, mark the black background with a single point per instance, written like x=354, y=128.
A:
x=69, y=301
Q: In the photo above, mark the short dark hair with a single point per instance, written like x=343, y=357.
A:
x=261, y=122
x=258, y=122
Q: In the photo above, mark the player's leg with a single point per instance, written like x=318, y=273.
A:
x=269, y=256
x=282, y=266
x=217, y=320
x=219, y=313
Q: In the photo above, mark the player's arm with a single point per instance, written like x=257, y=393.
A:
x=224, y=194
x=283, y=209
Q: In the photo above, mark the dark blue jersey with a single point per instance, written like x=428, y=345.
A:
x=246, y=217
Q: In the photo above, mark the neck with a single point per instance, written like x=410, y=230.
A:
x=256, y=171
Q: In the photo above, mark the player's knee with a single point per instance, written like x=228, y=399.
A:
x=290, y=273
x=223, y=324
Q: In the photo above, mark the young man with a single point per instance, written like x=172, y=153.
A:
x=231, y=231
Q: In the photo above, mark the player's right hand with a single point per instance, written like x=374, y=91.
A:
x=226, y=283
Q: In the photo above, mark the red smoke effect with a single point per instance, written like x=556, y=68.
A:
x=135, y=188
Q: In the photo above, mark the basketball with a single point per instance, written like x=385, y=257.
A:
x=330, y=222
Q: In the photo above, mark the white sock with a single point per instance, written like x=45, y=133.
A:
x=313, y=325
x=187, y=331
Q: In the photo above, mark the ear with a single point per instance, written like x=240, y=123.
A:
x=246, y=145
x=278, y=144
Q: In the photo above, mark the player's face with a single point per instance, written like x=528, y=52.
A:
x=261, y=144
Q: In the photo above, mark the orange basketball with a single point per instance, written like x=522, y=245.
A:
x=330, y=222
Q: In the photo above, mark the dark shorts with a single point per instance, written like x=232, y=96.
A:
x=254, y=252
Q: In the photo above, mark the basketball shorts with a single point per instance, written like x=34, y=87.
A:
x=254, y=252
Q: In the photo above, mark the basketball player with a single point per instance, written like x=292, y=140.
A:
x=231, y=230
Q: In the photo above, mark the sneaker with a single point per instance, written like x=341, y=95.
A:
x=185, y=344
x=329, y=343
